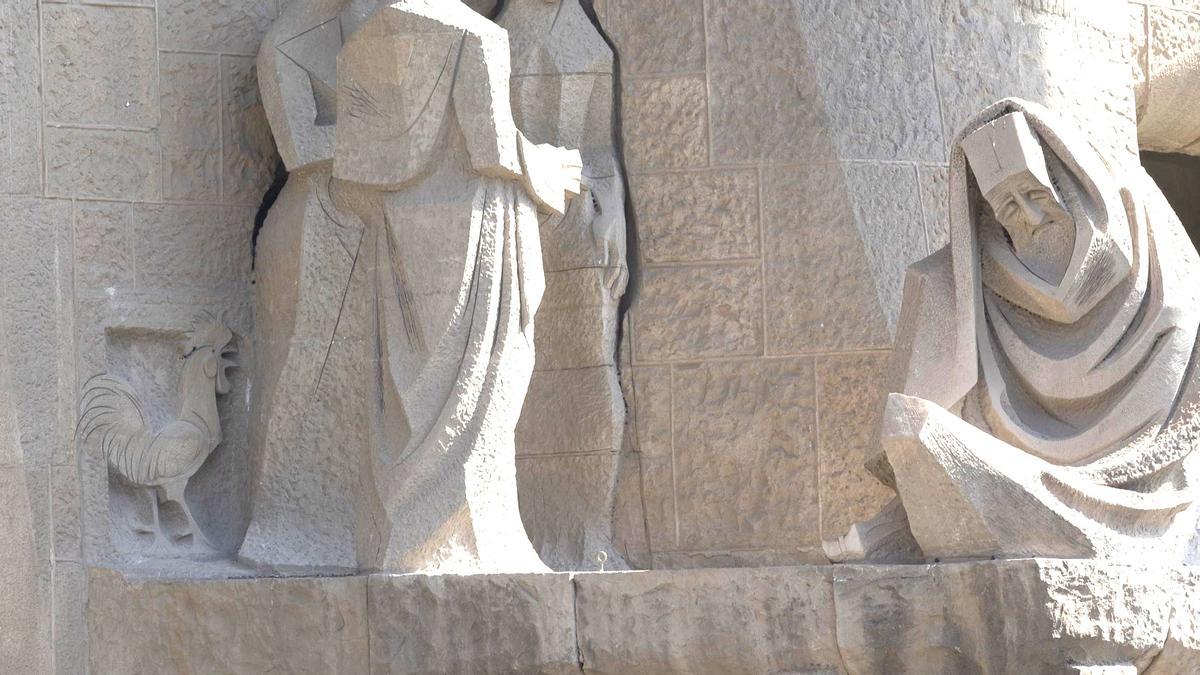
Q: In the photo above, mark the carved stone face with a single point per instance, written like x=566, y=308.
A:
x=1040, y=229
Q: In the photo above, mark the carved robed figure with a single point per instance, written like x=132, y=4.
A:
x=1045, y=375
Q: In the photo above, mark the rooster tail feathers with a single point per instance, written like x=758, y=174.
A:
x=108, y=407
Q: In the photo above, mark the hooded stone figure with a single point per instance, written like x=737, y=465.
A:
x=1044, y=366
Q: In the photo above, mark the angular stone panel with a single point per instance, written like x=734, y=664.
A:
x=696, y=216
x=101, y=65
x=20, y=100
x=657, y=38
x=472, y=624
x=697, y=311
x=226, y=626
x=820, y=289
x=191, y=127
x=102, y=163
x=765, y=94
x=708, y=621
x=665, y=125
x=745, y=452
x=229, y=26
x=851, y=390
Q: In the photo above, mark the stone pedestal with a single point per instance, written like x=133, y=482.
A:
x=1013, y=616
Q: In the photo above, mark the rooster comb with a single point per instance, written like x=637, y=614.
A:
x=208, y=330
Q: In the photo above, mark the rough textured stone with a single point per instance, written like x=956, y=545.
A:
x=249, y=157
x=664, y=123
x=746, y=464
x=20, y=100
x=103, y=245
x=70, y=629
x=472, y=624
x=102, y=163
x=190, y=131
x=25, y=604
x=765, y=93
x=653, y=513
x=935, y=204
x=230, y=26
x=850, y=391
x=694, y=216
x=698, y=311
x=876, y=75
x=192, y=247
x=229, y=626
x=1168, y=123
x=708, y=621
x=659, y=38
x=820, y=292
x=100, y=65
x=559, y=493
x=578, y=403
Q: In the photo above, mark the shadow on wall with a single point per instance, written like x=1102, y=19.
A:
x=1178, y=176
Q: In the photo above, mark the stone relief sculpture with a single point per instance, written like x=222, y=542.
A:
x=162, y=461
x=1045, y=377
x=562, y=91
x=398, y=265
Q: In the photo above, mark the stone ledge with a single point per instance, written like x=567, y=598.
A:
x=1013, y=616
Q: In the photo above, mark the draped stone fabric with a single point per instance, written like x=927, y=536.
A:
x=1040, y=416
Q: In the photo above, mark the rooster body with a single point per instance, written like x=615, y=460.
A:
x=163, y=461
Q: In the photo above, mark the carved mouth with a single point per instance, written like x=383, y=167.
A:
x=223, y=365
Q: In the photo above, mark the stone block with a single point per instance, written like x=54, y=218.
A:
x=708, y=621
x=102, y=163
x=650, y=424
x=665, y=125
x=25, y=602
x=820, y=290
x=227, y=626
x=65, y=506
x=100, y=65
x=227, y=26
x=698, y=311
x=572, y=337
x=472, y=624
x=851, y=390
x=696, y=216
x=877, y=85
x=764, y=91
x=736, y=558
x=745, y=455
x=181, y=247
x=30, y=254
x=32, y=338
x=248, y=149
x=20, y=100
x=888, y=215
x=103, y=246
x=935, y=204
x=70, y=621
x=568, y=411
x=1167, y=123
x=657, y=38
x=565, y=506
x=190, y=131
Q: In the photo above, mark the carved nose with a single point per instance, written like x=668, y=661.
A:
x=1035, y=216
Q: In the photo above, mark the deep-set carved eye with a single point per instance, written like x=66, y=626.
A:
x=1039, y=195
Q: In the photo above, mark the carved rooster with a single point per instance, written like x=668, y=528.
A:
x=163, y=461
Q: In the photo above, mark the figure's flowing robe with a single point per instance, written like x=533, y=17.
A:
x=1105, y=407
x=424, y=119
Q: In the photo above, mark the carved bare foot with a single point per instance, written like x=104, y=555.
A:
x=884, y=538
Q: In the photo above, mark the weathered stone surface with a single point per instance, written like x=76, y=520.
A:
x=820, y=292
x=192, y=247
x=876, y=76
x=850, y=389
x=764, y=92
x=103, y=245
x=699, y=311
x=70, y=620
x=227, y=626
x=562, y=494
x=935, y=204
x=249, y=157
x=65, y=508
x=708, y=621
x=102, y=163
x=20, y=100
x=578, y=402
x=25, y=604
x=472, y=624
x=659, y=38
x=697, y=216
x=664, y=124
x=229, y=26
x=100, y=65
x=653, y=513
x=1168, y=124
x=746, y=464
x=190, y=130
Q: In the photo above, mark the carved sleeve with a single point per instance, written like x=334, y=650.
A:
x=483, y=105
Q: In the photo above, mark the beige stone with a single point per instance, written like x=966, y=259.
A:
x=103, y=245
x=697, y=216
x=100, y=65
x=248, y=153
x=472, y=624
x=190, y=130
x=102, y=163
x=227, y=26
x=230, y=626
x=664, y=124
x=20, y=101
x=1167, y=123
x=692, y=312
x=660, y=38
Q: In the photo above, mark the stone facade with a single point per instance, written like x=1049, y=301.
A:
x=786, y=161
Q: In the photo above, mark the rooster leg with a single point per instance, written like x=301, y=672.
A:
x=156, y=525
x=175, y=494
